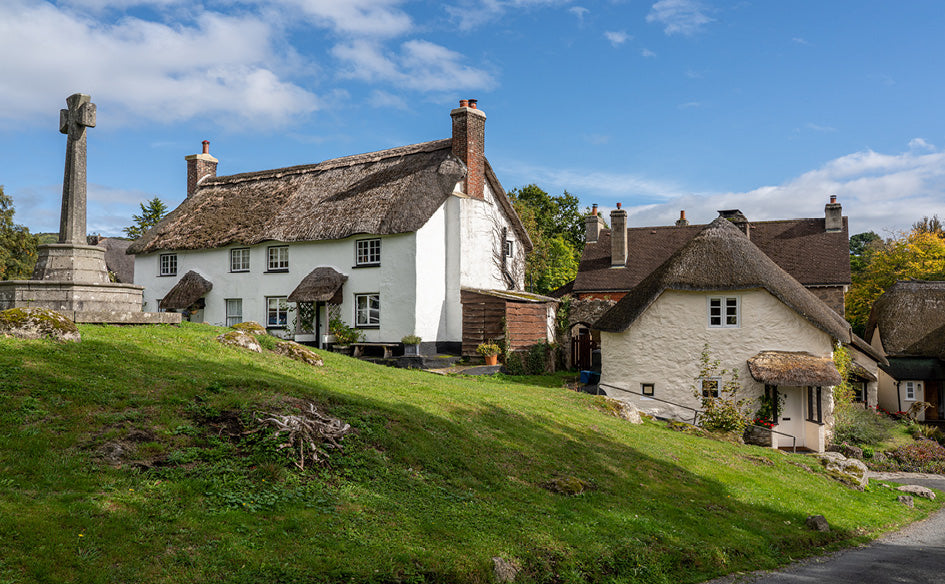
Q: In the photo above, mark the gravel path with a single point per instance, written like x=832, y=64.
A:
x=915, y=554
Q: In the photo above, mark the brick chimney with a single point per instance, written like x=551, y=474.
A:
x=739, y=219
x=592, y=224
x=682, y=221
x=618, y=238
x=833, y=215
x=199, y=167
x=469, y=135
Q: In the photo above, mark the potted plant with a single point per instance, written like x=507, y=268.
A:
x=344, y=335
x=411, y=344
x=490, y=352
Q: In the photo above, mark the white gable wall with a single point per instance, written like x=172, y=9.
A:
x=663, y=347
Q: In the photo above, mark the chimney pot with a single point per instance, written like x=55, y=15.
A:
x=473, y=102
x=833, y=198
x=206, y=146
x=464, y=103
x=618, y=205
x=682, y=221
x=594, y=208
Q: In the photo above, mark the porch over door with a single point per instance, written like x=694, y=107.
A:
x=791, y=420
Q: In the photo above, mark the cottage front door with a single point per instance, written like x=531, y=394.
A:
x=933, y=395
x=791, y=420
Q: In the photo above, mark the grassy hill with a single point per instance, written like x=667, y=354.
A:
x=123, y=459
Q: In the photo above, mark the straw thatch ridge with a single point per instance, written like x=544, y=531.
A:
x=802, y=247
x=721, y=258
x=323, y=284
x=786, y=368
x=191, y=288
x=382, y=193
x=910, y=317
x=862, y=346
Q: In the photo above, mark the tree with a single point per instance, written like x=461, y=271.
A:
x=861, y=245
x=149, y=217
x=17, y=244
x=929, y=225
x=918, y=255
x=556, y=228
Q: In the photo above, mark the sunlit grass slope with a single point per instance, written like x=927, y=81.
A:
x=121, y=460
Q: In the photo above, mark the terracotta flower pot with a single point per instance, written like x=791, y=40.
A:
x=491, y=359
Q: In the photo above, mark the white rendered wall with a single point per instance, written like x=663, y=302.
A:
x=481, y=224
x=432, y=289
x=394, y=280
x=663, y=347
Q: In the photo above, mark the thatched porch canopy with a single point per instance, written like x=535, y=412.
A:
x=860, y=372
x=191, y=288
x=323, y=284
x=793, y=369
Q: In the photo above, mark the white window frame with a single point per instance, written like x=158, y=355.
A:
x=367, y=252
x=723, y=314
x=167, y=264
x=509, y=248
x=239, y=259
x=234, y=311
x=913, y=387
x=281, y=310
x=363, y=313
x=718, y=385
x=278, y=258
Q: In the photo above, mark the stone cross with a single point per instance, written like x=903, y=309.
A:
x=74, y=121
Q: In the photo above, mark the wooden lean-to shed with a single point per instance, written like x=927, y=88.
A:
x=491, y=315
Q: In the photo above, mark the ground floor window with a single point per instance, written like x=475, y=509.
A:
x=234, y=311
x=911, y=388
x=647, y=389
x=710, y=386
x=814, y=407
x=367, y=310
x=277, y=311
x=859, y=392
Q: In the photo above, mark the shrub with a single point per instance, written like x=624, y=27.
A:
x=858, y=426
x=344, y=334
x=724, y=412
x=920, y=456
x=486, y=349
x=411, y=340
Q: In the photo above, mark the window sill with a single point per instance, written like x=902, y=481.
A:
x=368, y=326
x=279, y=271
x=167, y=275
x=239, y=271
x=355, y=267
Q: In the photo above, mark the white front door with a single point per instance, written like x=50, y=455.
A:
x=791, y=420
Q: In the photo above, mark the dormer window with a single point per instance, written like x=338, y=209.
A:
x=724, y=312
x=368, y=252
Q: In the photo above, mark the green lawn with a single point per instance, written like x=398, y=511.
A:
x=121, y=461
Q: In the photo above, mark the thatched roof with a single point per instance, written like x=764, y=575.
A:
x=860, y=372
x=186, y=292
x=911, y=319
x=721, y=258
x=116, y=259
x=323, y=284
x=512, y=295
x=787, y=368
x=383, y=193
x=802, y=247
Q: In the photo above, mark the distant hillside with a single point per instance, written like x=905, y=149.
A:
x=133, y=456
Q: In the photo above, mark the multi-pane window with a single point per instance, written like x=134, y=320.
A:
x=911, y=388
x=710, y=387
x=277, y=311
x=367, y=309
x=368, y=252
x=168, y=264
x=234, y=311
x=278, y=258
x=723, y=311
x=239, y=259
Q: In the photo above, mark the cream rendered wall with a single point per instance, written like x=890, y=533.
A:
x=481, y=223
x=663, y=347
x=394, y=280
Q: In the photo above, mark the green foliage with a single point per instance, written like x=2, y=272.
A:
x=861, y=427
x=344, y=334
x=921, y=456
x=556, y=228
x=918, y=255
x=725, y=412
x=843, y=393
x=489, y=348
x=931, y=225
x=304, y=317
x=861, y=245
x=17, y=244
x=411, y=340
x=151, y=215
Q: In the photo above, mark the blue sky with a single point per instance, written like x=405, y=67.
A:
x=662, y=105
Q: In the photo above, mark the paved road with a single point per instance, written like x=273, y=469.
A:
x=915, y=555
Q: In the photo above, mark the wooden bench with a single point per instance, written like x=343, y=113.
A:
x=388, y=347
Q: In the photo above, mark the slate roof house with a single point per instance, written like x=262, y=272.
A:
x=386, y=241
x=721, y=290
x=908, y=323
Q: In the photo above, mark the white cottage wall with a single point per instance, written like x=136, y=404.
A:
x=663, y=347
x=394, y=280
x=432, y=282
x=481, y=225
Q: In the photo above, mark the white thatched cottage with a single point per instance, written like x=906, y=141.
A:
x=719, y=289
x=908, y=323
x=386, y=240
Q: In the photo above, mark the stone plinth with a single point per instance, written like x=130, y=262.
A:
x=70, y=296
x=66, y=262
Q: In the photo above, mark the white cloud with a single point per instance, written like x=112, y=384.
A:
x=470, y=14
x=647, y=53
x=800, y=41
x=219, y=66
x=375, y=18
x=819, y=127
x=920, y=144
x=616, y=37
x=579, y=12
x=419, y=65
x=684, y=17
x=384, y=99
x=689, y=105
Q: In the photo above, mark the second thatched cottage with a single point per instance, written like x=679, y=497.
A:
x=391, y=242
x=720, y=291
